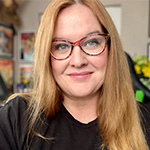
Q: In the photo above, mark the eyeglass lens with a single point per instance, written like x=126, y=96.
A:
x=91, y=45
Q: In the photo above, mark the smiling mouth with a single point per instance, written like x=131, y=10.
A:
x=82, y=75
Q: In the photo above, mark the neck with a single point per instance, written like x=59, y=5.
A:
x=83, y=110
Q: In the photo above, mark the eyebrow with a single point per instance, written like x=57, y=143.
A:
x=96, y=31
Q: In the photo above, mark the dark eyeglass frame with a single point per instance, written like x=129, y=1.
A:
x=78, y=43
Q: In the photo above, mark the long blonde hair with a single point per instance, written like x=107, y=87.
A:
x=119, y=121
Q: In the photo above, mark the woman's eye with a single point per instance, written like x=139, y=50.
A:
x=61, y=47
x=92, y=43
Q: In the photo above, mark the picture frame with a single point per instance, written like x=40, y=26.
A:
x=4, y=91
x=25, y=71
x=26, y=45
x=7, y=72
x=6, y=40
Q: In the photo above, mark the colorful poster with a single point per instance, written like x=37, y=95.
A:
x=26, y=71
x=6, y=41
x=26, y=40
x=6, y=70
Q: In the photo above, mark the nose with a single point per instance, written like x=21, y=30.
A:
x=78, y=57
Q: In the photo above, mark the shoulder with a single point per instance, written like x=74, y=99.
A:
x=145, y=119
x=144, y=111
x=13, y=110
x=17, y=103
x=13, y=123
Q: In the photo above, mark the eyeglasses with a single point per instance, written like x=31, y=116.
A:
x=93, y=44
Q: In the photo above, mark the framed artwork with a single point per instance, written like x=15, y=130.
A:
x=26, y=71
x=4, y=91
x=6, y=71
x=26, y=45
x=6, y=40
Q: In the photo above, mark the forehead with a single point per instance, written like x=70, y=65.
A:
x=76, y=20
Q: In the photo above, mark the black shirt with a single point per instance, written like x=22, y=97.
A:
x=65, y=132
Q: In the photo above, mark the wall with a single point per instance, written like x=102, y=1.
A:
x=134, y=29
x=134, y=34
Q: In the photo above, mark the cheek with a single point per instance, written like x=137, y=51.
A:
x=58, y=67
x=100, y=61
x=55, y=67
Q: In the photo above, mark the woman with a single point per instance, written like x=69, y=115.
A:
x=82, y=94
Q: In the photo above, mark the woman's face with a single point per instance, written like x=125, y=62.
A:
x=80, y=75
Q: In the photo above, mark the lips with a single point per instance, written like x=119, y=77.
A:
x=80, y=75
